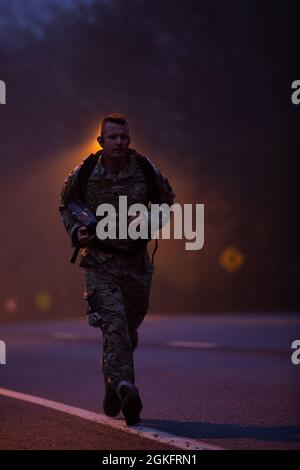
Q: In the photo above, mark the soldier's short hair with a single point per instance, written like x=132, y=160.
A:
x=116, y=118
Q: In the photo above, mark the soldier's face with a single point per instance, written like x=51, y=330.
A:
x=115, y=140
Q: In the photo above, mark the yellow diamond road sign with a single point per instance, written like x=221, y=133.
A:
x=231, y=259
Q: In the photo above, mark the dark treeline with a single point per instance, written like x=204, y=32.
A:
x=206, y=86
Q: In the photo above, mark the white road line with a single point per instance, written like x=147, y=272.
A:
x=191, y=344
x=139, y=430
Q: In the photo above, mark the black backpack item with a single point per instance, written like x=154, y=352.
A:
x=90, y=162
x=87, y=168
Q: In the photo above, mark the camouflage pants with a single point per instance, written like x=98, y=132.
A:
x=117, y=292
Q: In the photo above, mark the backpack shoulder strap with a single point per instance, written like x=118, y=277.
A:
x=150, y=179
x=85, y=172
x=149, y=174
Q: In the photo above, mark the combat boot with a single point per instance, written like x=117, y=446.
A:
x=111, y=402
x=131, y=403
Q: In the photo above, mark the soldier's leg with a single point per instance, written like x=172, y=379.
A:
x=136, y=292
x=106, y=302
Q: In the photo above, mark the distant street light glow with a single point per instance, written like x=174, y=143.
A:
x=43, y=300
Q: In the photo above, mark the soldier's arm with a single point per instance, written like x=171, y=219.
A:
x=164, y=194
x=69, y=193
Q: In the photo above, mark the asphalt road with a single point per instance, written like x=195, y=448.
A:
x=226, y=381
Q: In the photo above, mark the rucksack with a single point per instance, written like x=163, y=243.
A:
x=144, y=164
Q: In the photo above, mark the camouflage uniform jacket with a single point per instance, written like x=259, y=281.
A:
x=105, y=186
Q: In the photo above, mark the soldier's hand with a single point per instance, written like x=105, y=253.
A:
x=83, y=237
